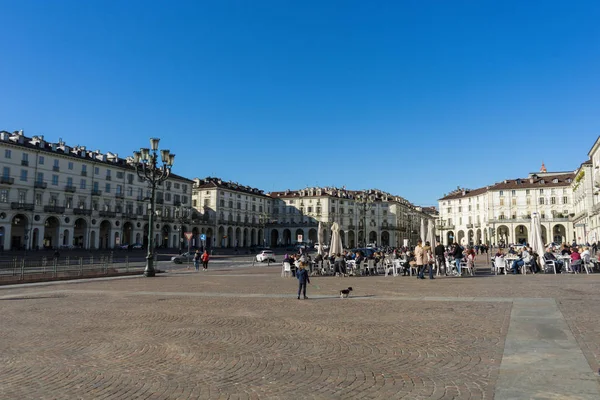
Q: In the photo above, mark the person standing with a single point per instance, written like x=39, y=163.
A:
x=197, y=257
x=429, y=260
x=420, y=259
x=458, y=255
x=440, y=258
x=205, y=258
x=303, y=279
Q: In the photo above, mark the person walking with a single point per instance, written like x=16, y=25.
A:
x=440, y=258
x=303, y=279
x=197, y=257
x=420, y=259
x=205, y=258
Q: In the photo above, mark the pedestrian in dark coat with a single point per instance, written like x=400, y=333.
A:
x=303, y=279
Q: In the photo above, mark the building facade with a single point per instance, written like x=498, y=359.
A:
x=53, y=195
x=500, y=214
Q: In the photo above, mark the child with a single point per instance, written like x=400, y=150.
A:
x=303, y=279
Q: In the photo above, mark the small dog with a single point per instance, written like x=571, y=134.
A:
x=344, y=293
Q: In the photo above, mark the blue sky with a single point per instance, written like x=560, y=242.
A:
x=411, y=97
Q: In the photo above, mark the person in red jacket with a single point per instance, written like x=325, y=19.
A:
x=205, y=258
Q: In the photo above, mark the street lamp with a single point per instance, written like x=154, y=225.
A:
x=182, y=214
x=365, y=202
x=147, y=168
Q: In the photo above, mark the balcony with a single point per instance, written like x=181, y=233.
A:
x=82, y=211
x=478, y=225
x=159, y=201
x=22, y=206
x=7, y=180
x=96, y=192
x=140, y=198
x=108, y=214
x=83, y=173
x=25, y=163
x=54, y=209
x=56, y=168
x=351, y=226
x=120, y=195
x=108, y=177
x=469, y=226
x=70, y=188
x=129, y=216
x=40, y=185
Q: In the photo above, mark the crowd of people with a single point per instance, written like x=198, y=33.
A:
x=525, y=257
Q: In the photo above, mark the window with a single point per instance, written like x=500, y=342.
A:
x=108, y=175
x=514, y=201
x=541, y=191
x=70, y=165
x=528, y=201
x=553, y=200
x=177, y=186
x=333, y=209
x=565, y=201
x=469, y=208
x=120, y=174
x=40, y=177
x=25, y=159
x=41, y=160
x=84, y=169
x=130, y=179
x=119, y=189
x=7, y=153
x=206, y=202
x=541, y=200
x=96, y=186
x=96, y=171
x=55, y=180
x=82, y=184
x=527, y=192
x=502, y=193
x=22, y=196
x=513, y=192
x=459, y=209
x=24, y=175
x=107, y=188
x=70, y=182
x=501, y=202
x=38, y=199
x=449, y=210
x=69, y=202
x=56, y=164
x=3, y=195
x=129, y=191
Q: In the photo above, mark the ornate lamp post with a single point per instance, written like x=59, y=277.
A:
x=147, y=168
x=365, y=202
x=182, y=214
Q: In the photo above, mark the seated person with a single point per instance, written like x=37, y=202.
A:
x=585, y=255
x=576, y=260
x=518, y=263
x=565, y=251
x=548, y=256
x=340, y=264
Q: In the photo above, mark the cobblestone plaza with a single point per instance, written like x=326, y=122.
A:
x=241, y=333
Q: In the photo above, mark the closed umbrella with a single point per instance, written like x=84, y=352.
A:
x=423, y=232
x=320, y=238
x=431, y=233
x=336, y=240
x=535, y=238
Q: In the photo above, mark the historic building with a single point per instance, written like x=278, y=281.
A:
x=55, y=195
x=501, y=213
x=365, y=217
x=592, y=231
x=583, y=199
x=234, y=215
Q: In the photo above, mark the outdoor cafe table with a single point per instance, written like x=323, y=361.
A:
x=509, y=261
x=567, y=262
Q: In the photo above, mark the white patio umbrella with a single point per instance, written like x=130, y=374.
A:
x=336, y=240
x=431, y=234
x=423, y=232
x=535, y=236
x=320, y=238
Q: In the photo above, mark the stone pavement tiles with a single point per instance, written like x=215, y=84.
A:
x=243, y=334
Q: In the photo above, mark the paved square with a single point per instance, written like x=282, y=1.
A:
x=241, y=333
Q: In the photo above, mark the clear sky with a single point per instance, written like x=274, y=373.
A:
x=411, y=97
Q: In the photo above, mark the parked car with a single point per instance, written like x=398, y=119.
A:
x=137, y=246
x=183, y=257
x=265, y=255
